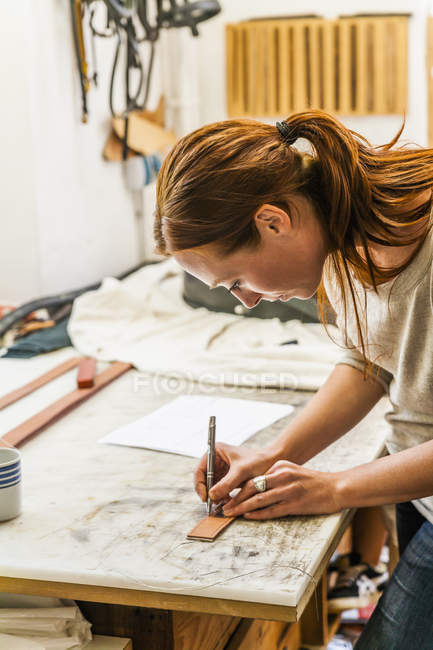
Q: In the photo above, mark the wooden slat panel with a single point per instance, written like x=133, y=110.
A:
x=247, y=67
x=329, y=53
x=306, y=35
x=315, y=66
x=260, y=68
x=318, y=59
x=266, y=66
x=370, y=71
x=299, y=72
x=246, y=70
x=402, y=63
x=292, y=67
x=244, y=67
x=379, y=67
x=349, y=66
x=390, y=66
x=272, y=71
x=361, y=81
x=231, y=86
x=284, y=79
x=344, y=87
x=430, y=79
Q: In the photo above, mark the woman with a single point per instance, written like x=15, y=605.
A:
x=239, y=206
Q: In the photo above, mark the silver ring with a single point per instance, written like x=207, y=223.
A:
x=260, y=483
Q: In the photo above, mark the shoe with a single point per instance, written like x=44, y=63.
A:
x=338, y=564
x=339, y=642
x=358, y=584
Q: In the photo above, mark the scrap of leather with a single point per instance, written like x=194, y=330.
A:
x=209, y=528
x=17, y=394
x=86, y=373
x=60, y=407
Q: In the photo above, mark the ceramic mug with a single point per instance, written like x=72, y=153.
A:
x=10, y=483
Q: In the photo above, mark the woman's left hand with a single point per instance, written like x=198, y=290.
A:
x=291, y=490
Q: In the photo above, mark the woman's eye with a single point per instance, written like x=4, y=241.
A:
x=235, y=285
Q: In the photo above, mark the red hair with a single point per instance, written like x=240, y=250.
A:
x=215, y=179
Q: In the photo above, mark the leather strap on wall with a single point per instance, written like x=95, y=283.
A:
x=17, y=394
x=49, y=415
x=209, y=528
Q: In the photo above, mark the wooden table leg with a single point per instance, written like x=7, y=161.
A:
x=254, y=634
x=314, y=620
x=148, y=628
x=158, y=629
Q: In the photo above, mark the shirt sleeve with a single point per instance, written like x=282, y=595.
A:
x=351, y=356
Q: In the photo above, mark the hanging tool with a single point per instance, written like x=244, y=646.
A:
x=128, y=22
x=80, y=53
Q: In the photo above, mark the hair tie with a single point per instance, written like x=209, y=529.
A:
x=286, y=132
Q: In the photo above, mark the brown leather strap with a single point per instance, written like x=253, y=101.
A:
x=209, y=528
x=86, y=373
x=17, y=394
x=47, y=416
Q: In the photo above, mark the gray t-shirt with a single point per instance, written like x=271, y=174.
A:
x=400, y=342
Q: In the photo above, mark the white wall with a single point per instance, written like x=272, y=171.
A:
x=66, y=218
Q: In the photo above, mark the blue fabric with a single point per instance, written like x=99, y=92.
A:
x=41, y=341
x=4, y=487
x=152, y=165
x=403, y=618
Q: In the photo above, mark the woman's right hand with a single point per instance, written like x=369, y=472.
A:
x=233, y=466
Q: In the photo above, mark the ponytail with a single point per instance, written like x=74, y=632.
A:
x=362, y=190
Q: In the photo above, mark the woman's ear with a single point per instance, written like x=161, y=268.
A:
x=270, y=219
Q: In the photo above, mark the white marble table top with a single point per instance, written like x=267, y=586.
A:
x=118, y=517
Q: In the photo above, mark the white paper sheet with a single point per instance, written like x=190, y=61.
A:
x=181, y=426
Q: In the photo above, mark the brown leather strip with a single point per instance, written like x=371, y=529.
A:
x=17, y=394
x=209, y=528
x=86, y=373
x=35, y=326
x=49, y=415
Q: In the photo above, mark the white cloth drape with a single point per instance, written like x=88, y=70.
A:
x=144, y=320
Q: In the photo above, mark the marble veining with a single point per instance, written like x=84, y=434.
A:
x=117, y=516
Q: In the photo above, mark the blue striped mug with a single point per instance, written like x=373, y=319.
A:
x=10, y=483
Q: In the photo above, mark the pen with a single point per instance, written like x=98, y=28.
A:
x=210, y=461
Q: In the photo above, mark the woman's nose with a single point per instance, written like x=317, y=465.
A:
x=249, y=298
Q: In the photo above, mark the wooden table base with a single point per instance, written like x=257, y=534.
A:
x=158, y=629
